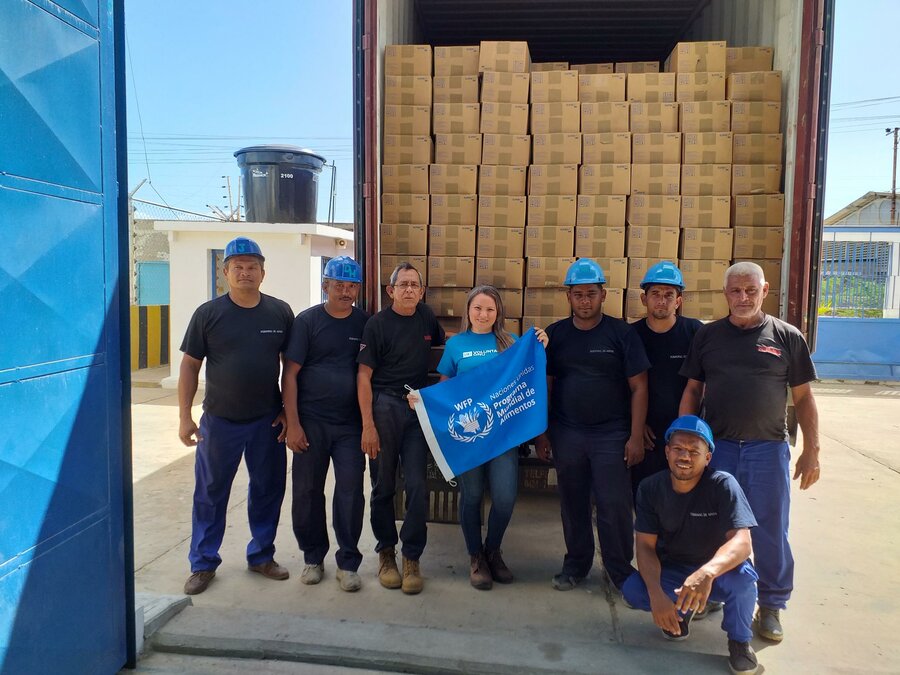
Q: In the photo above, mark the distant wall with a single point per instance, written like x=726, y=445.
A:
x=858, y=349
x=149, y=336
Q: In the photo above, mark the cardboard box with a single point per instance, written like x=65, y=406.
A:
x=553, y=179
x=705, y=211
x=502, y=180
x=397, y=207
x=452, y=325
x=500, y=242
x=409, y=178
x=501, y=211
x=456, y=118
x=514, y=150
x=407, y=149
x=705, y=179
x=504, y=57
x=456, y=60
x=604, y=117
x=546, y=271
x=651, y=87
x=707, y=148
x=407, y=90
x=706, y=243
x=529, y=322
x=656, y=148
x=451, y=271
x=454, y=209
x=513, y=326
x=771, y=272
x=504, y=87
x=637, y=67
x=758, y=242
x=614, y=269
x=704, y=305
x=600, y=211
x=637, y=269
x=599, y=88
x=697, y=57
x=409, y=120
x=549, y=242
x=389, y=263
x=549, y=65
x=546, y=302
x=451, y=240
x=755, y=117
x=700, y=87
x=455, y=89
x=504, y=118
x=555, y=118
x=500, y=272
x=447, y=301
x=556, y=148
x=760, y=85
x=704, y=116
x=634, y=308
x=772, y=303
x=749, y=179
x=614, y=304
x=758, y=211
x=453, y=179
x=604, y=179
x=654, y=118
x=593, y=68
x=748, y=59
x=704, y=275
x=513, y=300
x=457, y=149
x=544, y=210
x=656, y=179
x=606, y=148
x=758, y=148
x=600, y=242
x=407, y=60
x=404, y=240
x=654, y=210
x=645, y=241
x=554, y=86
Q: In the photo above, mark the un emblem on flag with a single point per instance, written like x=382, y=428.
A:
x=466, y=426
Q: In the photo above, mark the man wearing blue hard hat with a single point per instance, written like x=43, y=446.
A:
x=597, y=377
x=242, y=336
x=323, y=424
x=692, y=535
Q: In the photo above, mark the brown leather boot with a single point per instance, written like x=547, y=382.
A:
x=412, y=578
x=388, y=574
x=499, y=571
x=480, y=574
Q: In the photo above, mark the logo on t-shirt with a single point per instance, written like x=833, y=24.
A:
x=767, y=349
x=478, y=352
x=270, y=331
x=362, y=345
x=354, y=339
x=602, y=351
x=704, y=514
x=427, y=338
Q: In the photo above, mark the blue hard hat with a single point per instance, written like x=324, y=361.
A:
x=584, y=271
x=664, y=272
x=343, y=268
x=691, y=424
x=243, y=246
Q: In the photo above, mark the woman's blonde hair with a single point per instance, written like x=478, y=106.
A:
x=504, y=340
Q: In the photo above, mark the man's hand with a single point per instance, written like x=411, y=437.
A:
x=664, y=613
x=188, y=432
x=542, y=447
x=807, y=468
x=296, y=439
x=411, y=399
x=371, y=445
x=694, y=592
x=281, y=420
x=649, y=438
x=634, y=451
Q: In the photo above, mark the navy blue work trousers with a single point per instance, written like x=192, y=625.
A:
x=654, y=461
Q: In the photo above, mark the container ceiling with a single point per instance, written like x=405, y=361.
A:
x=578, y=31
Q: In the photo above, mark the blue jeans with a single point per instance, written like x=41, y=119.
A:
x=736, y=588
x=218, y=455
x=502, y=474
x=763, y=470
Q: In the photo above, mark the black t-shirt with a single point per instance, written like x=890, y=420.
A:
x=397, y=348
x=667, y=352
x=326, y=349
x=691, y=527
x=242, y=347
x=591, y=370
x=747, y=373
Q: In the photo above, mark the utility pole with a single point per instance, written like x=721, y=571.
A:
x=894, y=177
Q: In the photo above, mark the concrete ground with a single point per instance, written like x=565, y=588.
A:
x=844, y=616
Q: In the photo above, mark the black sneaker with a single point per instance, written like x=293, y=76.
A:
x=685, y=628
x=711, y=607
x=741, y=658
x=767, y=623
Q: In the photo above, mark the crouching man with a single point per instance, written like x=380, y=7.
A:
x=692, y=534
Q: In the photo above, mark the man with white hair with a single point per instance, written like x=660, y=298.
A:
x=740, y=368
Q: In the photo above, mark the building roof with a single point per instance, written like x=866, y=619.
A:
x=855, y=206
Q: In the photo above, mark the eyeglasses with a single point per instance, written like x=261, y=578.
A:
x=408, y=284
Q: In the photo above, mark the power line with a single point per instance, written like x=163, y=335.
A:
x=137, y=103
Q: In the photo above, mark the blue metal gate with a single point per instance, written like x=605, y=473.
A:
x=66, y=599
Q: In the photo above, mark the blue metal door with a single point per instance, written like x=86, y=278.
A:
x=66, y=597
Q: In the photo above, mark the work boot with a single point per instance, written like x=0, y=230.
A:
x=768, y=624
x=711, y=606
x=741, y=658
x=412, y=578
x=312, y=574
x=685, y=628
x=198, y=582
x=349, y=580
x=499, y=571
x=480, y=574
x=388, y=574
x=270, y=570
x=565, y=582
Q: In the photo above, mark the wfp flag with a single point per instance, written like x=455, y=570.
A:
x=478, y=415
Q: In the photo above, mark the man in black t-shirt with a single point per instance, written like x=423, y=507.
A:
x=692, y=534
x=597, y=378
x=323, y=425
x=666, y=336
x=241, y=335
x=393, y=358
x=740, y=367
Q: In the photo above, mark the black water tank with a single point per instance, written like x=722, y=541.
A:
x=280, y=183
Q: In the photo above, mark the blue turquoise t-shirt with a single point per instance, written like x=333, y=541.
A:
x=468, y=350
